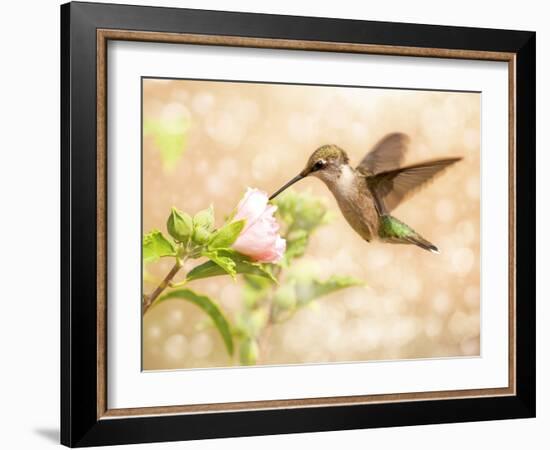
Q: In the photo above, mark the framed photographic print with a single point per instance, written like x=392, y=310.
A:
x=277, y=224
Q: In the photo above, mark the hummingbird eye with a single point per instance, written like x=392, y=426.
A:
x=319, y=164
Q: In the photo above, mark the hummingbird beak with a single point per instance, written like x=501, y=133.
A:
x=287, y=185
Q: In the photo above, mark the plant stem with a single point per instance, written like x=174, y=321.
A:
x=265, y=338
x=149, y=299
x=178, y=285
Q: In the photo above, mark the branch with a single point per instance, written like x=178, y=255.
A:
x=265, y=338
x=149, y=299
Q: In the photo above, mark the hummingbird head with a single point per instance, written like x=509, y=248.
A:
x=324, y=163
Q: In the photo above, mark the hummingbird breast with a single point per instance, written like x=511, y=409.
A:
x=356, y=202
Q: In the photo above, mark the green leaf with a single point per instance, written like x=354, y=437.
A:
x=258, y=283
x=301, y=214
x=155, y=245
x=296, y=244
x=179, y=225
x=204, y=219
x=249, y=352
x=251, y=323
x=226, y=235
x=308, y=290
x=170, y=138
x=209, y=307
x=242, y=265
x=223, y=261
x=255, y=289
x=301, y=211
x=285, y=296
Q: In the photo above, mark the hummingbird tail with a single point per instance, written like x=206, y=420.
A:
x=423, y=243
x=393, y=230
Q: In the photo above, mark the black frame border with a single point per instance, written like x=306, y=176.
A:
x=79, y=423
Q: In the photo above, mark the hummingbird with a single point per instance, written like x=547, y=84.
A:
x=368, y=193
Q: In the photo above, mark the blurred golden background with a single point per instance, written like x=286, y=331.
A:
x=205, y=142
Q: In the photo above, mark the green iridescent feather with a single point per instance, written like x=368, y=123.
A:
x=390, y=227
x=393, y=230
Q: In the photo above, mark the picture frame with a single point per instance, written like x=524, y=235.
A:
x=86, y=418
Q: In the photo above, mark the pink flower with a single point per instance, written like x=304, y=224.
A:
x=259, y=238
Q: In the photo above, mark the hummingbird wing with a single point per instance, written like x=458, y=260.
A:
x=393, y=186
x=387, y=154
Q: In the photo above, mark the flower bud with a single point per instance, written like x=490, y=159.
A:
x=201, y=235
x=179, y=225
x=249, y=352
x=204, y=219
x=285, y=297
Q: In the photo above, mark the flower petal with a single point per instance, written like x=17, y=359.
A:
x=259, y=239
x=251, y=206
